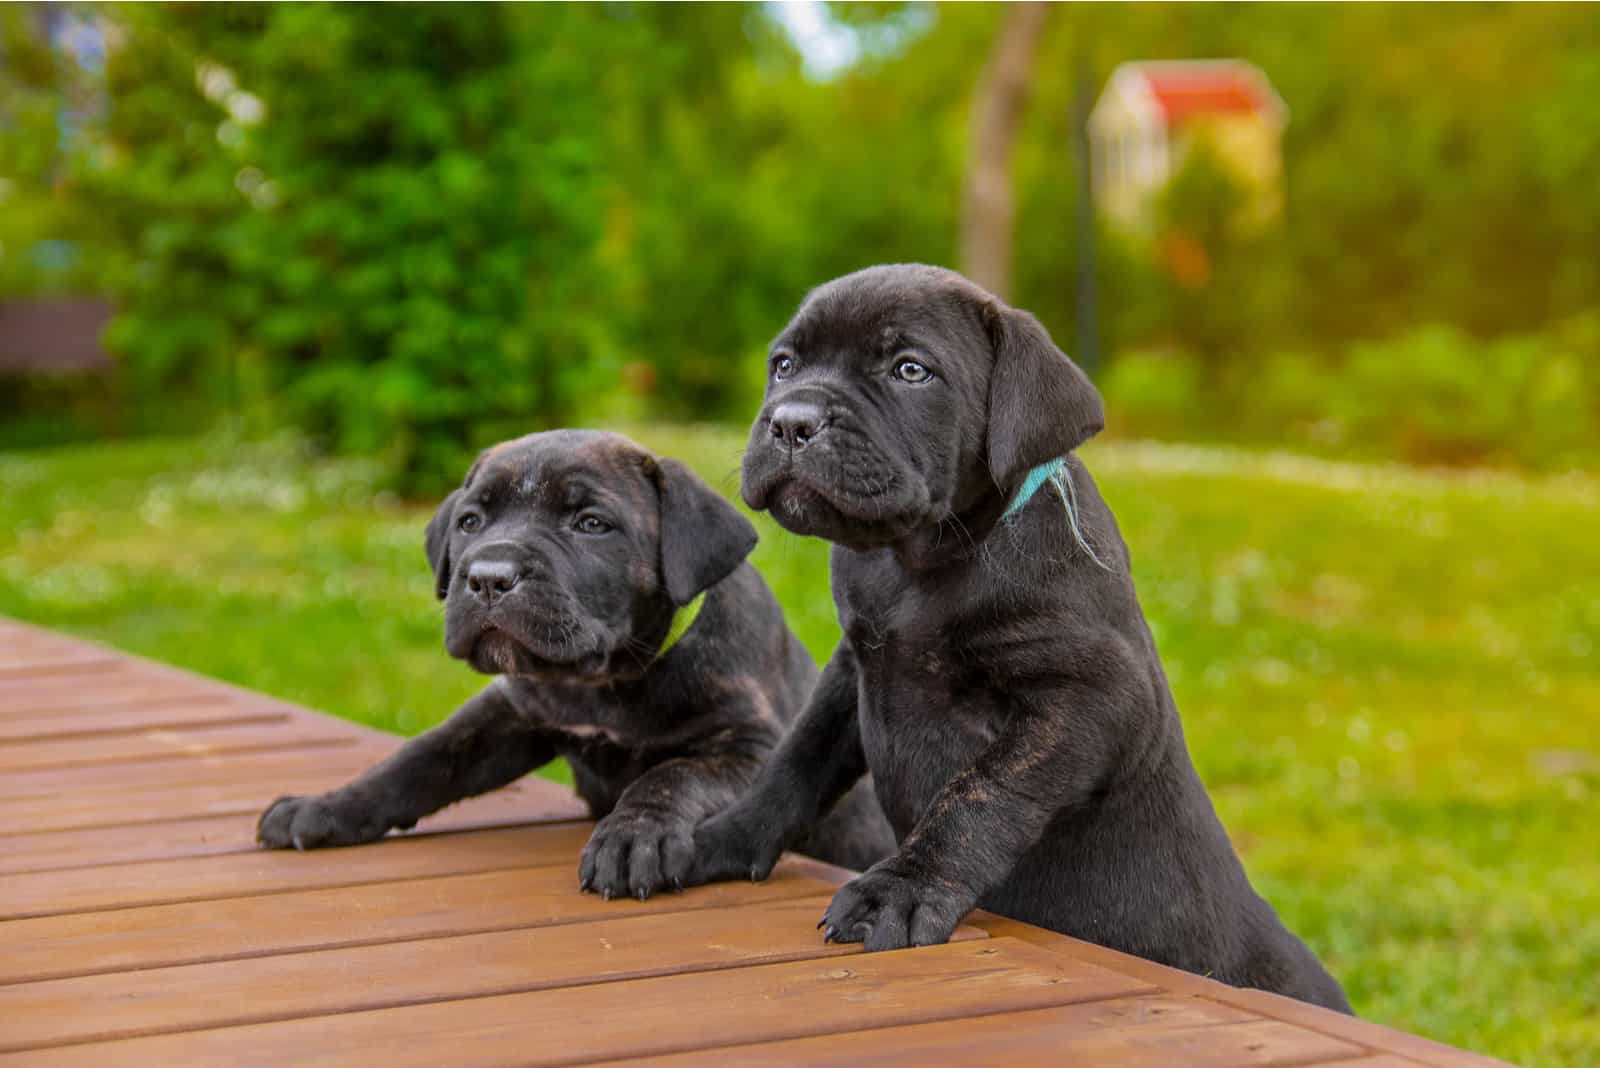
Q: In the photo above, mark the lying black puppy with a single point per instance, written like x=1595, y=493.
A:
x=996, y=675
x=608, y=590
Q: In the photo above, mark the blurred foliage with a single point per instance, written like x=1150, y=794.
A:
x=374, y=236
x=39, y=216
x=1433, y=395
x=408, y=229
x=1383, y=732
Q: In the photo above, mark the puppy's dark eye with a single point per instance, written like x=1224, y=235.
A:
x=912, y=371
x=469, y=523
x=589, y=523
x=783, y=365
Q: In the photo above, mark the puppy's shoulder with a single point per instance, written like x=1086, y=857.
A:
x=738, y=637
x=737, y=608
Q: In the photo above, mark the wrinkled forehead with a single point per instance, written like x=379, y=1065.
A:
x=886, y=310
x=563, y=470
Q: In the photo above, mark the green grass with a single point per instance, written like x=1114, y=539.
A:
x=1390, y=679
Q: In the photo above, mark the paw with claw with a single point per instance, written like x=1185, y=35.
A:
x=736, y=844
x=890, y=906
x=317, y=822
x=636, y=855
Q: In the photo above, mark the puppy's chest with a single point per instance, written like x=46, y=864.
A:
x=589, y=724
x=905, y=640
x=923, y=710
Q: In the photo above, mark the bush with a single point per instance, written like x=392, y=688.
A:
x=399, y=257
x=409, y=231
x=1436, y=396
x=1433, y=395
x=1156, y=394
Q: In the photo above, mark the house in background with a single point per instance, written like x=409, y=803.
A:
x=1151, y=115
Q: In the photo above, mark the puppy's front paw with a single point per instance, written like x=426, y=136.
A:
x=635, y=854
x=732, y=846
x=315, y=822
x=891, y=907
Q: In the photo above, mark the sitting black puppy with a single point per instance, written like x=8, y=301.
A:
x=608, y=590
x=996, y=676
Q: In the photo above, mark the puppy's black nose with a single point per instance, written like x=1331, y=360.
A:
x=490, y=580
x=795, y=423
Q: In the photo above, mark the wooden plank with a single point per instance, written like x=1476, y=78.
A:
x=167, y=1000
x=1049, y=1037
x=109, y=805
x=215, y=835
x=179, y=745
x=643, y=1016
x=27, y=664
x=118, y=680
x=15, y=632
x=23, y=641
x=372, y=913
x=18, y=642
x=270, y=871
x=24, y=645
x=1336, y=1025
x=133, y=719
x=265, y=769
x=198, y=836
x=113, y=804
x=141, y=682
x=143, y=695
x=1352, y=1029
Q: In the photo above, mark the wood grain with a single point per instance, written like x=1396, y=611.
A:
x=644, y=1016
x=164, y=1000
x=133, y=719
x=1130, y=1032
x=111, y=781
x=106, y=685
x=270, y=871
x=1337, y=1025
x=179, y=745
x=208, y=793
x=26, y=665
x=234, y=831
x=371, y=913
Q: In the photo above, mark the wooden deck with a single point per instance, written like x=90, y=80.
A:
x=139, y=925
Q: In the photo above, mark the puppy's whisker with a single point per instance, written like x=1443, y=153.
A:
x=961, y=529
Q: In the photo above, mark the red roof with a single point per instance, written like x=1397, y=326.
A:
x=1184, y=92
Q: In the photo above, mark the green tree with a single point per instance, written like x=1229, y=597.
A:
x=386, y=219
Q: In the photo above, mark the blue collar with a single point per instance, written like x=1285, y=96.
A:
x=1055, y=473
x=1036, y=479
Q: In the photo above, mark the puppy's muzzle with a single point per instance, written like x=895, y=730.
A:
x=794, y=424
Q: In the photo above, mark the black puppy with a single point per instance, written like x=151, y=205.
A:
x=608, y=590
x=996, y=675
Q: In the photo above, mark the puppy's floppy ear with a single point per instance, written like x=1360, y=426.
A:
x=437, y=543
x=1041, y=404
x=703, y=537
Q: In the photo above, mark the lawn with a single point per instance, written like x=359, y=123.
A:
x=1389, y=678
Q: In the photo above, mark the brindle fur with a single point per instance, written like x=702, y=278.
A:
x=996, y=677
x=655, y=744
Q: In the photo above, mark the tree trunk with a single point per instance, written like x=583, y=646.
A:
x=997, y=103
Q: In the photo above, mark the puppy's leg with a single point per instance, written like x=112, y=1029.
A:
x=817, y=761
x=646, y=842
x=483, y=745
x=981, y=822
